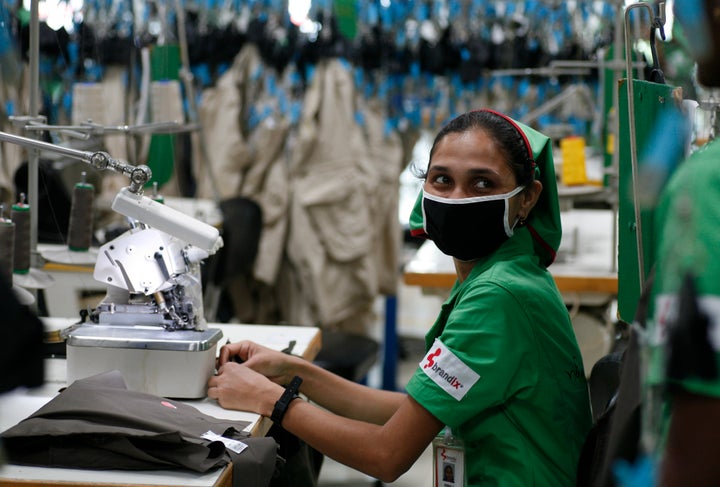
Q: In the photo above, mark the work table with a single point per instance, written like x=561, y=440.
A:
x=21, y=403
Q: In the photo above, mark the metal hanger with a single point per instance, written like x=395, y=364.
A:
x=658, y=23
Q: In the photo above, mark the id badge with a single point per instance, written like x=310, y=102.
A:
x=448, y=460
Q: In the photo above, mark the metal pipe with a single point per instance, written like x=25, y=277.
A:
x=547, y=71
x=615, y=161
x=139, y=175
x=569, y=63
x=39, y=144
x=84, y=130
x=552, y=104
x=33, y=156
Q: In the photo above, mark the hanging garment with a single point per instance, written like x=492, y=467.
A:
x=251, y=293
x=12, y=155
x=115, y=83
x=273, y=199
x=387, y=159
x=97, y=423
x=247, y=135
x=329, y=241
x=266, y=181
x=222, y=111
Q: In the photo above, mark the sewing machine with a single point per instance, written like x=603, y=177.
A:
x=150, y=324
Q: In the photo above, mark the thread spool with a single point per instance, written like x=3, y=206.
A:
x=7, y=245
x=80, y=227
x=20, y=216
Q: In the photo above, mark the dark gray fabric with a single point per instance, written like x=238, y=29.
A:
x=97, y=423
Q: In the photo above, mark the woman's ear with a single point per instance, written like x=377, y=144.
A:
x=529, y=197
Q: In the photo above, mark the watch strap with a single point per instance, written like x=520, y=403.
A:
x=290, y=393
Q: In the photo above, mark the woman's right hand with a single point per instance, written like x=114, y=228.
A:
x=274, y=365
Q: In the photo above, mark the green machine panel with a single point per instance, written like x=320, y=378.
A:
x=651, y=102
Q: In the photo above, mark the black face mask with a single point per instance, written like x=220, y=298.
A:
x=468, y=228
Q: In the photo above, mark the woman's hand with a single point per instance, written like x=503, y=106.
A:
x=237, y=386
x=274, y=365
x=248, y=376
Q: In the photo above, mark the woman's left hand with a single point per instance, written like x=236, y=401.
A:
x=237, y=386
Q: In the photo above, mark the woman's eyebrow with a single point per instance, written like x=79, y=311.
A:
x=437, y=167
x=481, y=171
x=473, y=172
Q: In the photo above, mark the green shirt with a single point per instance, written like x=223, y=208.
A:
x=506, y=373
x=688, y=222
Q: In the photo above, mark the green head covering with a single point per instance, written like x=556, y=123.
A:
x=543, y=222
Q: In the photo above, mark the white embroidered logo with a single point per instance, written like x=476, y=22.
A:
x=448, y=371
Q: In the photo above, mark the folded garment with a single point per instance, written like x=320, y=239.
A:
x=97, y=423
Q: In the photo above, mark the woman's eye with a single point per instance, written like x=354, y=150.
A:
x=441, y=179
x=482, y=184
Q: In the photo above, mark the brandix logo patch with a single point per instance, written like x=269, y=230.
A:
x=448, y=371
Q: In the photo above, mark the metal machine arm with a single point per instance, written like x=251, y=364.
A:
x=138, y=175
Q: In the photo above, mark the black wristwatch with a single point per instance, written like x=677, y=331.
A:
x=291, y=392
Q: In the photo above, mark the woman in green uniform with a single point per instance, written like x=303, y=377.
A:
x=503, y=369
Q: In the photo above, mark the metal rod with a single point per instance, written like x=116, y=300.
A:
x=615, y=160
x=633, y=144
x=139, y=175
x=96, y=129
x=613, y=64
x=33, y=156
x=548, y=71
x=39, y=144
x=551, y=104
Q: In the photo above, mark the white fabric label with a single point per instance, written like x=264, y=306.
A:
x=448, y=371
x=234, y=445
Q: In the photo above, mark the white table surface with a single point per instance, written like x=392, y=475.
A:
x=18, y=404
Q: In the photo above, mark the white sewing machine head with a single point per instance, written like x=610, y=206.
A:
x=153, y=275
x=153, y=279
